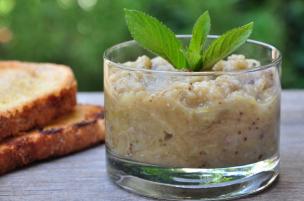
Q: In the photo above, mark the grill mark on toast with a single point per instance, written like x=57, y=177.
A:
x=84, y=123
x=51, y=131
x=100, y=115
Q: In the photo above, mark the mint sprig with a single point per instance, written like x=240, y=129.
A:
x=159, y=39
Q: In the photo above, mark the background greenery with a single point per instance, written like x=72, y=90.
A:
x=76, y=32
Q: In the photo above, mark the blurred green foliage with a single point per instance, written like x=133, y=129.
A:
x=76, y=32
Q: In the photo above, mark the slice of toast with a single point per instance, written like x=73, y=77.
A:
x=33, y=94
x=73, y=132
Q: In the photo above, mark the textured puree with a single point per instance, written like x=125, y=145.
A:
x=192, y=121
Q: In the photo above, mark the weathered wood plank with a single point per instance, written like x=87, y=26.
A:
x=82, y=176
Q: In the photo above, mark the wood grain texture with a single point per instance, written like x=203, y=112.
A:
x=82, y=176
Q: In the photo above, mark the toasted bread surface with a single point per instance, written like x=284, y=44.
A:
x=73, y=132
x=33, y=94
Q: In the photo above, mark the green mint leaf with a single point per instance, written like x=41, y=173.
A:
x=225, y=45
x=200, y=32
x=156, y=37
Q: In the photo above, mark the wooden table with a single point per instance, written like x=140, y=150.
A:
x=83, y=176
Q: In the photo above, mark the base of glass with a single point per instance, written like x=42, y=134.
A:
x=192, y=183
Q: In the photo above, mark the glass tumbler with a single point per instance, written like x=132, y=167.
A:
x=211, y=135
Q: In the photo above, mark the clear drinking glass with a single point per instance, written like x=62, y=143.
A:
x=192, y=135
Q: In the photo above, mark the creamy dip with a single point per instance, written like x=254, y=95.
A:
x=172, y=120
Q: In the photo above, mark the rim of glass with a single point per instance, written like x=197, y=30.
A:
x=275, y=61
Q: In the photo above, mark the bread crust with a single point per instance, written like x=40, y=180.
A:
x=43, y=109
x=56, y=140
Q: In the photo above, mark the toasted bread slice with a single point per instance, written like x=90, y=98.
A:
x=73, y=132
x=32, y=94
